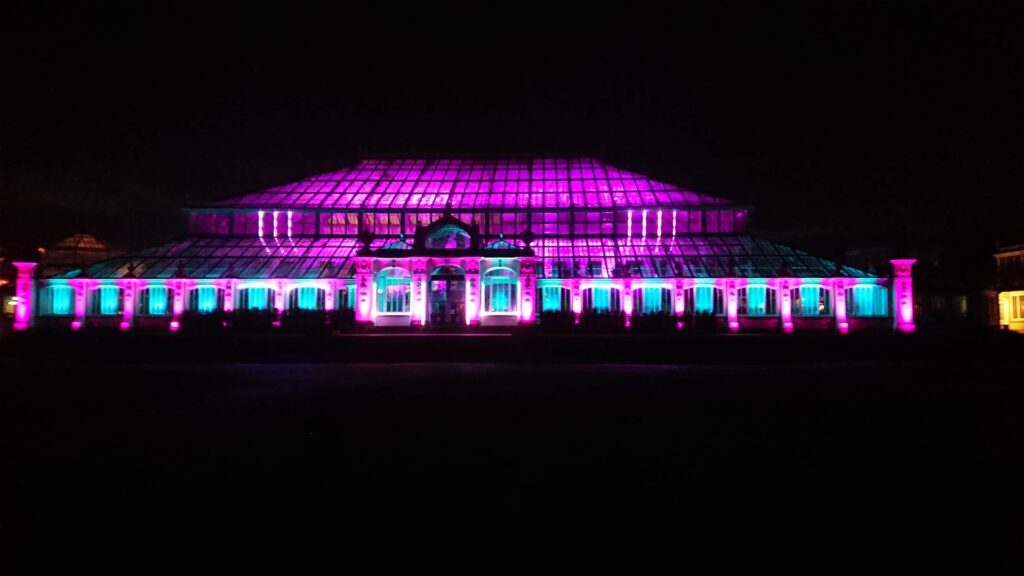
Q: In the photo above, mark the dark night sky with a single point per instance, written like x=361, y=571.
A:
x=871, y=122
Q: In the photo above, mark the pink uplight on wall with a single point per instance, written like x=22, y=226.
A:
x=732, y=304
x=786, y=304
x=128, y=288
x=903, y=295
x=25, y=295
x=839, y=289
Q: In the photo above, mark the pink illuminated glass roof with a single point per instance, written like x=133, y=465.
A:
x=693, y=256
x=468, y=184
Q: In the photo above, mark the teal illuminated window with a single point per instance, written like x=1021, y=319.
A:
x=306, y=298
x=205, y=299
x=153, y=300
x=106, y=301
x=501, y=290
x=394, y=291
x=56, y=300
x=254, y=298
x=345, y=299
x=555, y=299
x=757, y=301
x=867, y=300
x=812, y=300
x=652, y=300
x=602, y=299
x=704, y=299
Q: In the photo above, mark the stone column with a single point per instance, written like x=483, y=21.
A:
x=839, y=295
x=528, y=290
x=177, y=303
x=732, y=304
x=24, y=290
x=280, y=292
x=626, y=292
x=903, y=295
x=364, y=290
x=474, y=298
x=330, y=293
x=418, y=267
x=128, y=288
x=81, y=296
x=229, y=295
x=786, y=304
x=679, y=295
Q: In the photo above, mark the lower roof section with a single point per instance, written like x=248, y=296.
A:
x=711, y=256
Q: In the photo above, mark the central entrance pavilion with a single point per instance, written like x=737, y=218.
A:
x=446, y=278
x=447, y=297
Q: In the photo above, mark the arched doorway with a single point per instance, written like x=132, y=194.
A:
x=447, y=298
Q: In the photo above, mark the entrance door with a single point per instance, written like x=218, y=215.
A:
x=447, y=297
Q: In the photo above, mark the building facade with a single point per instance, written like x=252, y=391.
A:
x=1009, y=288
x=455, y=242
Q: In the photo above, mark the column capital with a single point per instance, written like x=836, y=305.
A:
x=25, y=267
x=901, y=266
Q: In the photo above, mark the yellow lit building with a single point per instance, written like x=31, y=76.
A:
x=1010, y=271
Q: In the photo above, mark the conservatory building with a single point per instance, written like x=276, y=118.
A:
x=454, y=242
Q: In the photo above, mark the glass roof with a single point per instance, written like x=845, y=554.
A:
x=719, y=256
x=736, y=256
x=231, y=258
x=520, y=184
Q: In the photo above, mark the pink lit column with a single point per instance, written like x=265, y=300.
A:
x=732, y=304
x=228, y=286
x=280, y=292
x=528, y=290
x=577, y=298
x=419, y=291
x=786, y=304
x=364, y=287
x=81, y=294
x=626, y=289
x=128, y=302
x=903, y=295
x=839, y=291
x=25, y=291
x=331, y=291
x=679, y=295
x=473, y=300
x=177, y=303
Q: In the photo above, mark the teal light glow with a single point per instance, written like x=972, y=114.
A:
x=551, y=299
x=704, y=299
x=810, y=304
x=346, y=298
x=157, y=300
x=60, y=300
x=257, y=298
x=870, y=300
x=757, y=301
x=307, y=298
x=393, y=294
x=601, y=299
x=109, y=299
x=499, y=288
x=652, y=303
x=206, y=299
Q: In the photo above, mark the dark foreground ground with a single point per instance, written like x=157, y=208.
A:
x=797, y=452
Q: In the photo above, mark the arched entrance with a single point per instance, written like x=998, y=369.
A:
x=447, y=298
